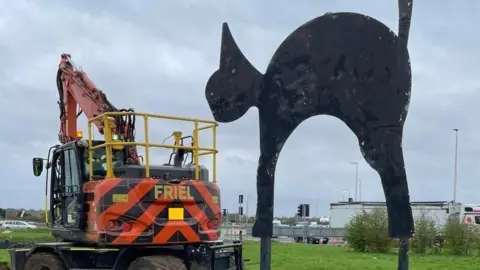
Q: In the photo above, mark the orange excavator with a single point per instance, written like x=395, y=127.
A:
x=108, y=208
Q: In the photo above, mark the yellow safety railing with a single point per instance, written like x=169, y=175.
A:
x=109, y=144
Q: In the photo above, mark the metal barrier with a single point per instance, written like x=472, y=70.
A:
x=108, y=123
x=284, y=231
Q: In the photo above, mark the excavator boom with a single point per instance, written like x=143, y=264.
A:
x=75, y=89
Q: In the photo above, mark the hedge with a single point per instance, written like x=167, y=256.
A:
x=368, y=232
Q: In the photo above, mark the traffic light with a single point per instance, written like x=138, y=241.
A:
x=300, y=210
x=303, y=210
x=224, y=212
x=240, y=211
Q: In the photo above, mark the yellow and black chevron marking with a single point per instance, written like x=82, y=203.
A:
x=134, y=201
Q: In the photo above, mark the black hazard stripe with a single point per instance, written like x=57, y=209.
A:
x=146, y=201
x=146, y=238
x=123, y=187
x=140, y=206
x=136, y=210
x=177, y=237
x=214, y=192
x=157, y=228
x=202, y=204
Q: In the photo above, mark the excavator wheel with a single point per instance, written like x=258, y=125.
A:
x=44, y=261
x=159, y=262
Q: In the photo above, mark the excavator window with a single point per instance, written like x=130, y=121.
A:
x=100, y=162
x=56, y=188
x=65, y=186
x=72, y=186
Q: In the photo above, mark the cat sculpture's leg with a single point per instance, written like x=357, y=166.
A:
x=263, y=226
x=273, y=134
x=382, y=149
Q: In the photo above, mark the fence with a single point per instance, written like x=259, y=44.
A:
x=290, y=233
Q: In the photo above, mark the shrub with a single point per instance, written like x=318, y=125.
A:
x=425, y=236
x=460, y=238
x=368, y=231
x=477, y=239
x=356, y=232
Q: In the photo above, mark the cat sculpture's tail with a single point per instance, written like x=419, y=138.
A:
x=405, y=8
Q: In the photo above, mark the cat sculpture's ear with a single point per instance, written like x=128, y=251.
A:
x=235, y=86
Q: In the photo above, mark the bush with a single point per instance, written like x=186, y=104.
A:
x=461, y=238
x=356, y=232
x=368, y=232
x=425, y=236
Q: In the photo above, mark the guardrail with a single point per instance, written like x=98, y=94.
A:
x=107, y=121
x=284, y=231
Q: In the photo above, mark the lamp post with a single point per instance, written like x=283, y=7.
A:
x=359, y=189
x=356, y=178
x=246, y=210
x=455, y=166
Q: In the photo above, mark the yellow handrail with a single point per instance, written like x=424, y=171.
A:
x=109, y=144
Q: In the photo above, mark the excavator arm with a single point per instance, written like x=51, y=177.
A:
x=75, y=89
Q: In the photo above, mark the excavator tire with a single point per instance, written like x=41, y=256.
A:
x=43, y=261
x=159, y=262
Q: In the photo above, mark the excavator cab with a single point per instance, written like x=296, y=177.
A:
x=63, y=189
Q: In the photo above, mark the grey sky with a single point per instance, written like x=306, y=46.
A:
x=156, y=57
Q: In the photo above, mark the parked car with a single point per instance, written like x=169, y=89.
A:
x=17, y=224
x=312, y=240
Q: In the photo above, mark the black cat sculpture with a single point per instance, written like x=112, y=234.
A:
x=346, y=65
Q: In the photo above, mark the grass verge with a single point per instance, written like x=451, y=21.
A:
x=308, y=257
x=38, y=235
x=319, y=257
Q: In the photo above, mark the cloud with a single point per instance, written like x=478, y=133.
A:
x=156, y=57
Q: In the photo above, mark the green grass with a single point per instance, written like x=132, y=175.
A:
x=307, y=257
x=319, y=257
x=38, y=235
x=4, y=257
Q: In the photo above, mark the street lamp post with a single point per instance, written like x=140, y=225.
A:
x=246, y=210
x=356, y=178
x=455, y=166
x=360, y=189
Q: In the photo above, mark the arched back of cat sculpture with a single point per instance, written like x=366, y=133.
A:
x=346, y=65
